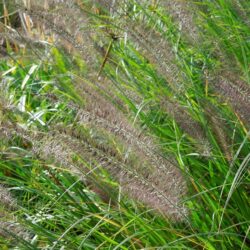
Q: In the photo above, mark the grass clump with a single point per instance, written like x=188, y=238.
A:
x=124, y=126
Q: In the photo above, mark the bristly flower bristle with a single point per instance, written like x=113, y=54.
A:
x=236, y=93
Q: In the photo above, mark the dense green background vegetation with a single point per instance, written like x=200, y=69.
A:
x=180, y=78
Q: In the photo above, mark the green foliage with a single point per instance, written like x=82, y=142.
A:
x=60, y=210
